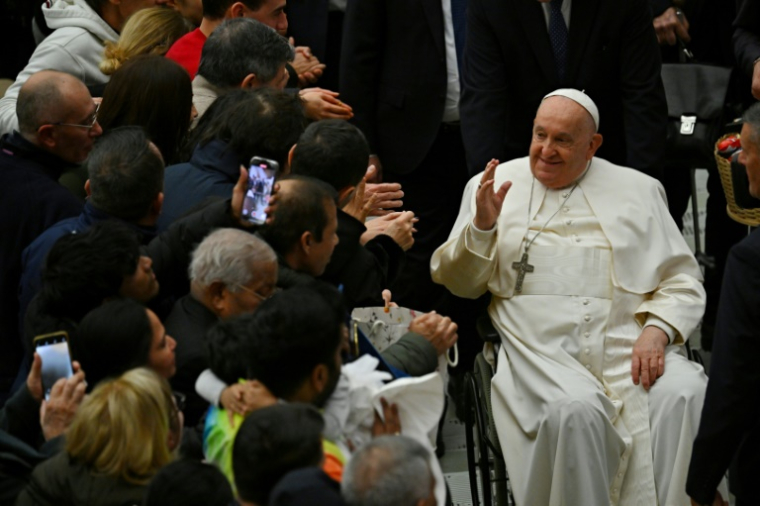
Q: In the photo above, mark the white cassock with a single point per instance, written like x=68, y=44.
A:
x=574, y=428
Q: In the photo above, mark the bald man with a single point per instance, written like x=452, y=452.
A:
x=594, y=294
x=57, y=128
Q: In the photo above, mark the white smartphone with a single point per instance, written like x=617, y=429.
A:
x=53, y=349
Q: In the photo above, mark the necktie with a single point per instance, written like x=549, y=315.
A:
x=459, y=20
x=558, y=36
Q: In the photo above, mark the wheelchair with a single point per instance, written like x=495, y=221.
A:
x=489, y=481
x=485, y=461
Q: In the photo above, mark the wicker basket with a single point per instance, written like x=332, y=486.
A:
x=749, y=217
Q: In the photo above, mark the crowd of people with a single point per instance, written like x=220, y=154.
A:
x=212, y=359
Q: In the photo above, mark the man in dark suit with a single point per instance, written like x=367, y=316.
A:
x=747, y=41
x=519, y=50
x=400, y=74
x=730, y=424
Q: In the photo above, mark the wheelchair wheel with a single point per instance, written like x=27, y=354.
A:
x=484, y=456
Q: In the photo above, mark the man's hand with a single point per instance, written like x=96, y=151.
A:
x=306, y=65
x=360, y=206
x=378, y=177
x=387, y=195
x=718, y=501
x=401, y=229
x=439, y=330
x=487, y=202
x=671, y=25
x=648, y=359
x=756, y=81
x=244, y=398
x=66, y=395
x=391, y=425
x=324, y=104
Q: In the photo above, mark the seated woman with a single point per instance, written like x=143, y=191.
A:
x=121, y=335
x=124, y=432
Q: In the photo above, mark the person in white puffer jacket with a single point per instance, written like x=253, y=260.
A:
x=81, y=28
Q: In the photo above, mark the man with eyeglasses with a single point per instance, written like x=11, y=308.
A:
x=57, y=129
x=231, y=273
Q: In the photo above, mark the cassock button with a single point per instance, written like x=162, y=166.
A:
x=587, y=318
x=585, y=302
x=587, y=350
x=586, y=334
x=577, y=239
x=564, y=195
x=569, y=222
x=565, y=209
x=588, y=366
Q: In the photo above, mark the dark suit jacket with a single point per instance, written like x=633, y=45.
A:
x=747, y=34
x=509, y=66
x=393, y=74
x=731, y=414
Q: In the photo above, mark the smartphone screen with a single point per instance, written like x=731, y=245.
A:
x=56, y=360
x=261, y=174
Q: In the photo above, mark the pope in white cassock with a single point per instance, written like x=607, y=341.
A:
x=594, y=293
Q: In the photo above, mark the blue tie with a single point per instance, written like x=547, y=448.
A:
x=558, y=37
x=459, y=20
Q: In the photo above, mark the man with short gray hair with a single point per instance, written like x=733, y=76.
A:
x=231, y=273
x=240, y=53
x=389, y=471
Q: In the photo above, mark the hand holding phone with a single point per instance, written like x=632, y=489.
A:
x=261, y=176
x=53, y=350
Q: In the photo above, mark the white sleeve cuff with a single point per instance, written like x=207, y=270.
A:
x=479, y=240
x=653, y=321
x=210, y=387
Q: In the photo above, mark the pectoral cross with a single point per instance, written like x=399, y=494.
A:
x=522, y=267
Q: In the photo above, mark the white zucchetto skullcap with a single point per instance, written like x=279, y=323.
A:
x=580, y=98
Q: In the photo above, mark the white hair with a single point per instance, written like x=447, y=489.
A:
x=388, y=471
x=227, y=255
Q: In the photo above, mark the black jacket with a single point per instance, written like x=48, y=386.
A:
x=61, y=481
x=188, y=323
x=509, y=66
x=730, y=424
x=364, y=271
x=31, y=200
x=22, y=446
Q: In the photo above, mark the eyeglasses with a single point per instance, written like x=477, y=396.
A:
x=89, y=122
x=257, y=294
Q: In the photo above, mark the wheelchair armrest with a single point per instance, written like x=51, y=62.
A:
x=486, y=330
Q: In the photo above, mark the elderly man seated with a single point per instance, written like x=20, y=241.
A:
x=594, y=293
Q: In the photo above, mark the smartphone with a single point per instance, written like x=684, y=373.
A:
x=261, y=174
x=53, y=349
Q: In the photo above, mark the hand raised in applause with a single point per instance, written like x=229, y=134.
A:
x=488, y=202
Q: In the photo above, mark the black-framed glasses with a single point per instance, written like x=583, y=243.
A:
x=89, y=122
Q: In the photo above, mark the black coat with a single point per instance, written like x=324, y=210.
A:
x=364, y=271
x=31, y=200
x=747, y=35
x=393, y=74
x=730, y=424
x=509, y=67
x=61, y=481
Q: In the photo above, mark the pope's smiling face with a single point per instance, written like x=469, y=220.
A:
x=564, y=140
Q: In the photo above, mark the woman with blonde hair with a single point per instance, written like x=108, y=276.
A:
x=123, y=433
x=147, y=31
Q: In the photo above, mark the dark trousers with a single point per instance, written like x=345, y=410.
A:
x=434, y=192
